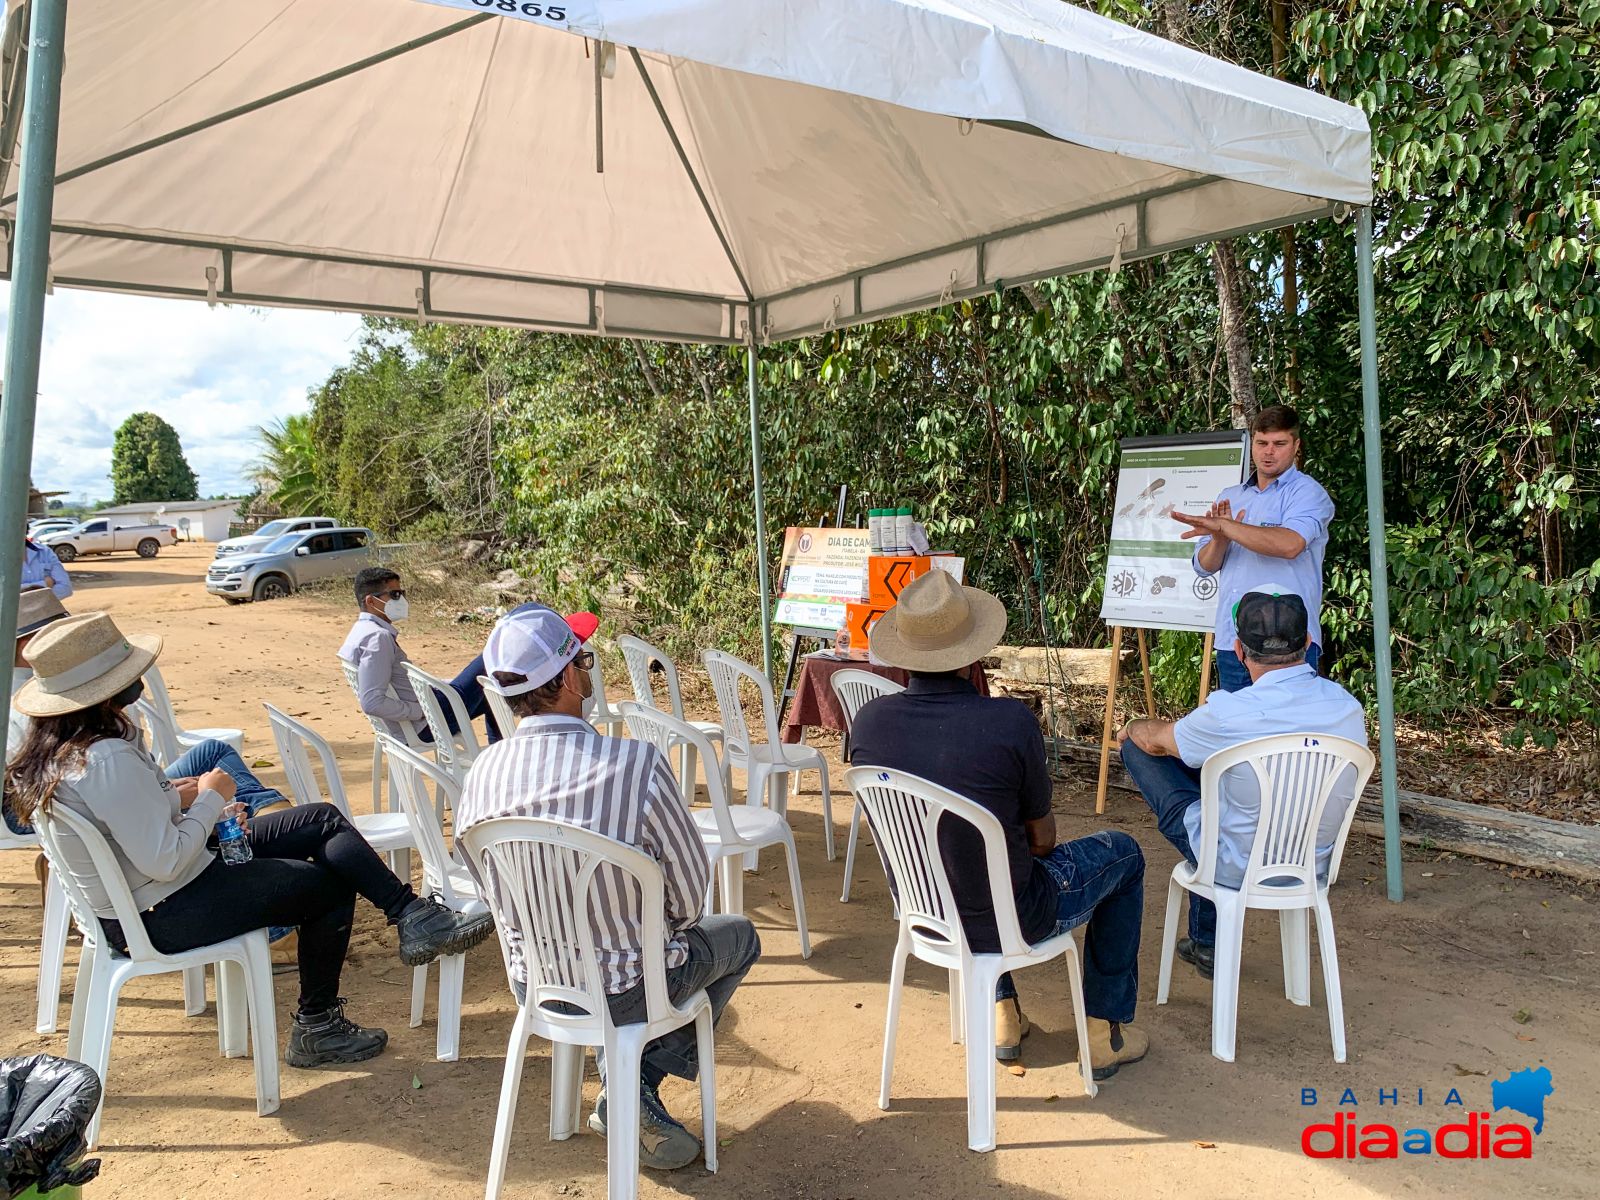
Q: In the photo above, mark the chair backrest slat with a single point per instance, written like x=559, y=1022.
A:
x=297, y=745
x=499, y=707
x=161, y=737
x=854, y=687
x=666, y=732
x=79, y=856
x=411, y=775
x=905, y=812
x=638, y=654
x=455, y=751
x=727, y=674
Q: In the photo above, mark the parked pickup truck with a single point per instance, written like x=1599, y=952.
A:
x=98, y=536
x=290, y=562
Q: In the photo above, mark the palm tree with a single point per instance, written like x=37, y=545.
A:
x=287, y=468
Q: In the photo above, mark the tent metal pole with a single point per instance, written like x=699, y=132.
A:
x=1371, y=423
x=30, y=266
x=752, y=360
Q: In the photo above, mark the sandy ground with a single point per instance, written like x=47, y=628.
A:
x=1432, y=991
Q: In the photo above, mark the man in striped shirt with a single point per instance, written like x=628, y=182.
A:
x=558, y=767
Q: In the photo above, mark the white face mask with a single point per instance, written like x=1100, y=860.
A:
x=397, y=609
x=588, y=707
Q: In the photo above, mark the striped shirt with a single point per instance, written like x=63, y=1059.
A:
x=560, y=769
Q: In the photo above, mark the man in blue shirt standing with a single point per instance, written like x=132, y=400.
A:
x=1273, y=526
x=1165, y=757
x=41, y=568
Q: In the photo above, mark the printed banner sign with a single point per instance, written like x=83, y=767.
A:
x=823, y=570
x=1150, y=583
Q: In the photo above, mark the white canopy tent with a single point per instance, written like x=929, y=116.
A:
x=693, y=170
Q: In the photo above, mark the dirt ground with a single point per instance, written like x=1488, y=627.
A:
x=1474, y=976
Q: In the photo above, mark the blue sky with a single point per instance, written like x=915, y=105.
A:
x=215, y=374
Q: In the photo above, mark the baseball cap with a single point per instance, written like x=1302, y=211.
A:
x=538, y=643
x=1271, y=619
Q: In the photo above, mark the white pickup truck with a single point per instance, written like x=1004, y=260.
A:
x=98, y=536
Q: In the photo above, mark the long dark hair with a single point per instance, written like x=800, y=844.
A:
x=55, y=746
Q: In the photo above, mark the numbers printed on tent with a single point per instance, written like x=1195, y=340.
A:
x=550, y=12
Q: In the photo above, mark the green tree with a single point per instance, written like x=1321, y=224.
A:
x=287, y=469
x=147, y=462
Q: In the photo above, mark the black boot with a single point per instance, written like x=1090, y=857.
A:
x=328, y=1038
x=429, y=928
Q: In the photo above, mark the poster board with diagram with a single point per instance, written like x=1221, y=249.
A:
x=1149, y=582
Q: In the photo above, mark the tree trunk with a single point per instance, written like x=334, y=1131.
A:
x=1235, y=335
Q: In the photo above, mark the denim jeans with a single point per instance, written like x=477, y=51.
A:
x=1169, y=786
x=214, y=755
x=1233, y=677
x=722, y=949
x=1101, y=878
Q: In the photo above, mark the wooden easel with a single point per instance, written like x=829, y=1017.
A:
x=1113, y=675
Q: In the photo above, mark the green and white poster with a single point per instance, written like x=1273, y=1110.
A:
x=1150, y=583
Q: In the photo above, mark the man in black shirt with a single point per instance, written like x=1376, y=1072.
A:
x=991, y=752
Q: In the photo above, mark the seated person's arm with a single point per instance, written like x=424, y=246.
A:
x=673, y=840
x=374, y=669
x=1152, y=736
x=1041, y=835
x=1038, y=821
x=134, y=810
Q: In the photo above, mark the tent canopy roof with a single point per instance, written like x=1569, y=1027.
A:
x=806, y=163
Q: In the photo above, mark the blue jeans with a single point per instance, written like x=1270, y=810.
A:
x=1101, y=878
x=1169, y=786
x=1231, y=673
x=214, y=755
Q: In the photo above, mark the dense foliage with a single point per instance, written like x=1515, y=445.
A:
x=616, y=468
x=147, y=462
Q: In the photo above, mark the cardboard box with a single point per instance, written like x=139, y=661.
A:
x=859, y=620
x=888, y=575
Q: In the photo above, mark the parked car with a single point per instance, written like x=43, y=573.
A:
x=290, y=562
x=39, y=528
x=271, y=530
x=98, y=536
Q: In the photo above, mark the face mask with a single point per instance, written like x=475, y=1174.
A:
x=588, y=706
x=397, y=609
x=128, y=694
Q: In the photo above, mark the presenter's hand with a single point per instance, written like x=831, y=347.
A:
x=1214, y=525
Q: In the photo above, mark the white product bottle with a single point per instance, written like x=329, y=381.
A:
x=902, y=530
x=875, y=530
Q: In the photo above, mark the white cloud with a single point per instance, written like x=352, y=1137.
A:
x=214, y=374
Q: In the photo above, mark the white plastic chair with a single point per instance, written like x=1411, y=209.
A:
x=443, y=877
x=727, y=831
x=78, y=853
x=380, y=731
x=455, y=752
x=53, y=937
x=298, y=744
x=606, y=718
x=763, y=762
x=159, y=735
x=539, y=874
x=638, y=655
x=156, y=693
x=499, y=707
x=905, y=811
x=1297, y=774
x=854, y=688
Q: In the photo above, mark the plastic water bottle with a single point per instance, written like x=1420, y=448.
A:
x=232, y=843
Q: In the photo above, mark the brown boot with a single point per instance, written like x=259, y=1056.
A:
x=1112, y=1046
x=1010, y=1027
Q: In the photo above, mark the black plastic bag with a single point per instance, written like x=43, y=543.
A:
x=46, y=1104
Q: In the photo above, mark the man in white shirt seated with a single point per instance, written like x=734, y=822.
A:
x=556, y=766
x=1286, y=696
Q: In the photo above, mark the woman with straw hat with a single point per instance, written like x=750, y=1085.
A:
x=308, y=863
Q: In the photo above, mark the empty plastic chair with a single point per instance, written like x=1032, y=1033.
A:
x=159, y=735
x=456, y=751
x=443, y=877
x=905, y=812
x=78, y=853
x=605, y=717
x=854, y=688
x=1297, y=774
x=728, y=831
x=542, y=873
x=156, y=693
x=639, y=656
x=765, y=762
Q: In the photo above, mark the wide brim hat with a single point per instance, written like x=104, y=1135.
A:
x=36, y=608
x=81, y=661
x=938, y=625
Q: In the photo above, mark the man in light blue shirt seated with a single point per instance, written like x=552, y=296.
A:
x=1273, y=526
x=1287, y=696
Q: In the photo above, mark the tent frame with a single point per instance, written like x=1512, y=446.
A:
x=30, y=280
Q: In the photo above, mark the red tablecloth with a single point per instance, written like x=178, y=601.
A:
x=815, y=702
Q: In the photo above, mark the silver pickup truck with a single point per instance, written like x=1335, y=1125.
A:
x=290, y=562
x=99, y=536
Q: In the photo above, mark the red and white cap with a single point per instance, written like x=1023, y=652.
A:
x=537, y=643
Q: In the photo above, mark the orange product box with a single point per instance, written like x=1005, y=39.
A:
x=859, y=620
x=888, y=575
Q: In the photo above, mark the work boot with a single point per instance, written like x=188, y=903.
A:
x=329, y=1038
x=1202, y=958
x=1112, y=1046
x=1010, y=1027
x=430, y=928
x=663, y=1141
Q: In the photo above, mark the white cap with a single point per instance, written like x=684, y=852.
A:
x=538, y=643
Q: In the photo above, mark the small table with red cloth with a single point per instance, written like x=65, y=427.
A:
x=816, y=703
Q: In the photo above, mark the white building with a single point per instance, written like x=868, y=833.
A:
x=195, y=520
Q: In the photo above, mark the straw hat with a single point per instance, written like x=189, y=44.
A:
x=36, y=608
x=82, y=661
x=938, y=625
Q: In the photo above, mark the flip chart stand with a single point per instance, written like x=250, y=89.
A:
x=1113, y=677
